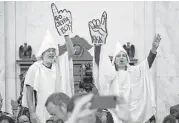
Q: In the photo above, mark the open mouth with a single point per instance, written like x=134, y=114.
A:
x=121, y=61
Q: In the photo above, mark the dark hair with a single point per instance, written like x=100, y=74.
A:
x=87, y=86
x=152, y=119
x=71, y=103
x=57, y=99
x=7, y=118
x=108, y=116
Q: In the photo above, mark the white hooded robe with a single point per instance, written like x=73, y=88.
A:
x=47, y=81
x=135, y=85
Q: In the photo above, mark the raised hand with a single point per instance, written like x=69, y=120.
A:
x=82, y=108
x=122, y=109
x=98, y=30
x=156, y=41
x=63, y=20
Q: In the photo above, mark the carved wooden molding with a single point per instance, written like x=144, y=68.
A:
x=79, y=40
x=25, y=63
x=80, y=44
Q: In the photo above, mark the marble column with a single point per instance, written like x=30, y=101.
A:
x=149, y=33
x=149, y=25
x=167, y=24
x=10, y=39
x=2, y=54
x=144, y=31
x=21, y=36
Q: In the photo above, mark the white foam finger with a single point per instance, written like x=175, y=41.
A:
x=155, y=36
x=65, y=11
x=94, y=22
x=158, y=36
x=91, y=25
x=69, y=15
x=104, y=18
x=60, y=13
x=98, y=22
x=54, y=10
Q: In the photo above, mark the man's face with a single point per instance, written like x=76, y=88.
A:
x=121, y=60
x=49, y=55
x=15, y=111
x=56, y=111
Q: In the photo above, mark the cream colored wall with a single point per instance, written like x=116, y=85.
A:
x=37, y=17
x=167, y=23
x=2, y=54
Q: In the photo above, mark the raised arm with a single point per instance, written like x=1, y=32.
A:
x=103, y=70
x=97, y=54
x=151, y=58
x=153, y=51
x=82, y=108
x=69, y=46
x=63, y=24
x=98, y=32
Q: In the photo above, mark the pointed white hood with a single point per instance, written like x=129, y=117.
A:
x=118, y=49
x=47, y=43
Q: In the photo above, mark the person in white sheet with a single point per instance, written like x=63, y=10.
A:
x=52, y=73
x=45, y=77
x=119, y=78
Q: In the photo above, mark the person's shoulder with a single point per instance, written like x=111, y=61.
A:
x=36, y=65
x=6, y=116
